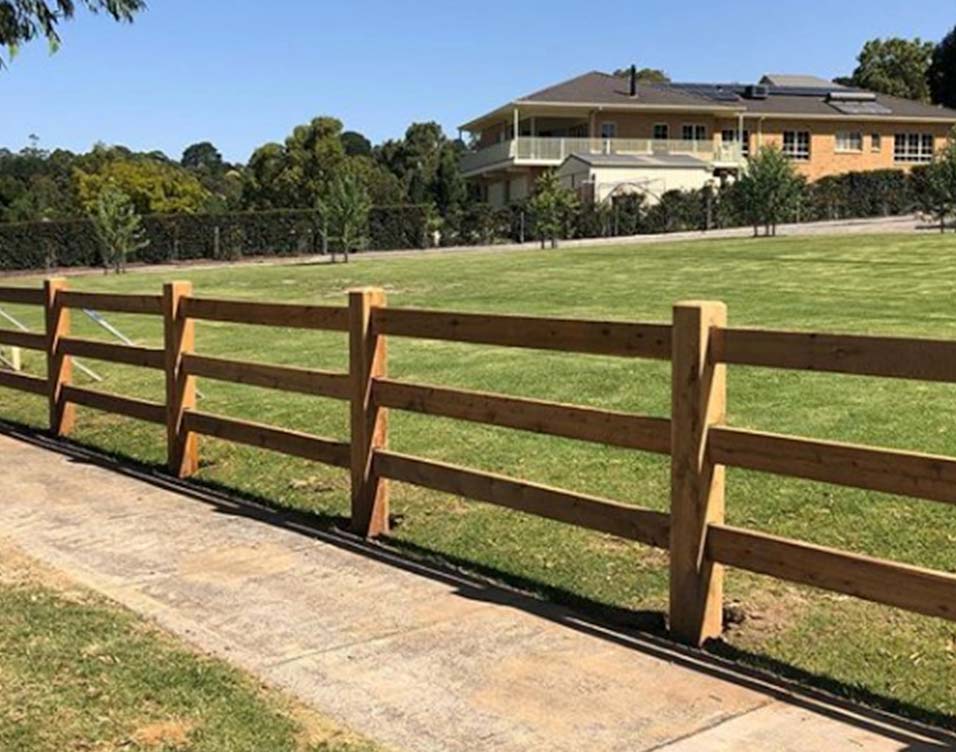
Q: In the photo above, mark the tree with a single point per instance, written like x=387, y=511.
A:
x=769, y=189
x=895, y=66
x=645, y=75
x=203, y=157
x=355, y=144
x=346, y=210
x=935, y=184
x=118, y=226
x=296, y=174
x=154, y=187
x=553, y=206
x=942, y=71
x=24, y=20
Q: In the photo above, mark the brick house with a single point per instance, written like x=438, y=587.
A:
x=609, y=134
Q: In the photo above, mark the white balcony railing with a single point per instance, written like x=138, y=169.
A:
x=541, y=150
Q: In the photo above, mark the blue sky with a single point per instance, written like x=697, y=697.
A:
x=243, y=72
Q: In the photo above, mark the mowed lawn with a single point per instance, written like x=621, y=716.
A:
x=888, y=285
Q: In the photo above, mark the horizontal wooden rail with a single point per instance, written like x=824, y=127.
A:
x=285, y=378
x=923, y=476
x=144, y=357
x=268, y=314
x=114, y=302
x=570, y=421
x=23, y=382
x=26, y=340
x=634, y=523
x=894, y=357
x=569, y=335
x=25, y=295
x=269, y=437
x=151, y=412
x=916, y=589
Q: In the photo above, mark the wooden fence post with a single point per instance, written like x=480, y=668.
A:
x=182, y=446
x=698, y=401
x=369, y=423
x=59, y=366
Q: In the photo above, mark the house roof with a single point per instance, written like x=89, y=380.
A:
x=638, y=160
x=602, y=88
x=785, y=95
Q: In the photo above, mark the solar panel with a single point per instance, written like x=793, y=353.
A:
x=861, y=108
x=716, y=92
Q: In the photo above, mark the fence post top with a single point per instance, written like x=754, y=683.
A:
x=54, y=281
x=719, y=304
x=178, y=283
x=368, y=289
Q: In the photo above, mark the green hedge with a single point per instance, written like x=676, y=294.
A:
x=876, y=193
x=183, y=237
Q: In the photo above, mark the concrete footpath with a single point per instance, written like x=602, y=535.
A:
x=415, y=657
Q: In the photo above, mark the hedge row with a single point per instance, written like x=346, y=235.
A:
x=852, y=195
x=290, y=232
x=181, y=237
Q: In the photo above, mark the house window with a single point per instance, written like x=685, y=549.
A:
x=913, y=147
x=849, y=141
x=796, y=145
x=608, y=130
x=661, y=132
x=729, y=136
x=876, y=142
x=693, y=132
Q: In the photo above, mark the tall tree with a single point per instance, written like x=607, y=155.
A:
x=645, y=75
x=942, y=71
x=355, y=144
x=153, y=187
x=296, y=174
x=895, y=66
x=203, y=156
x=24, y=20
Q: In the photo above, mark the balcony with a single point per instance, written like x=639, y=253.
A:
x=550, y=151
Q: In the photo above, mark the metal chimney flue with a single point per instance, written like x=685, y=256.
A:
x=633, y=80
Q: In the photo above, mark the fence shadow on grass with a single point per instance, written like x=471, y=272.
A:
x=642, y=630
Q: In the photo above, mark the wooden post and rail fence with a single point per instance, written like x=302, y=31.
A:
x=698, y=343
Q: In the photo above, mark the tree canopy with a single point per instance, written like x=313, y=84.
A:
x=23, y=20
x=895, y=66
x=645, y=75
x=942, y=71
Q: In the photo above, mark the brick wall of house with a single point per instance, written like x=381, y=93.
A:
x=824, y=158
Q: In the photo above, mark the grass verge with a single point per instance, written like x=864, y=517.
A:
x=80, y=673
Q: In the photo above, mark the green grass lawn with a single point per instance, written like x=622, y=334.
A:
x=79, y=673
x=889, y=285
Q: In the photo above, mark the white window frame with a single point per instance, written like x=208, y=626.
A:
x=733, y=133
x=916, y=148
x=698, y=131
x=876, y=142
x=799, y=147
x=663, y=126
x=848, y=142
x=612, y=125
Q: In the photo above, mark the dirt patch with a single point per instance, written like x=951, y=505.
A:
x=17, y=569
x=764, y=614
x=171, y=734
